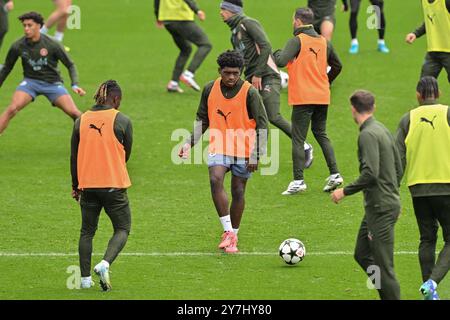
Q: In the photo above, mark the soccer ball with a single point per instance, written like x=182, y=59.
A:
x=292, y=251
x=284, y=79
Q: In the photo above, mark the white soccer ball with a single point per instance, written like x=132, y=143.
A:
x=292, y=251
x=284, y=79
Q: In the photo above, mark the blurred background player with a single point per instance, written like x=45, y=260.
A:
x=423, y=140
x=324, y=16
x=249, y=38
x=307, y=56
x=59, y=17
x=381, y=20
x=177, y=16
x=101, y=145
x=5, y=7
x=437, y=27
x=230, y=105
x=40, y=55
x=379, y=179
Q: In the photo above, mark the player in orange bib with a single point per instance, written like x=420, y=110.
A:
x=101, y=145
x=234, y=113
x=307, y=56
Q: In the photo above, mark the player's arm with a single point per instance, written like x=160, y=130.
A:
x=334, y=62
x=193, y=5
x=257, y=33
x=344, y=5
x=156, y=8
x=11, y=58
x=288, y=53
x=73, y=73
x=75, y=141
x=201, y=123
x=369, y=166
x=400, y=136
x=123, y=130
x=258, y=113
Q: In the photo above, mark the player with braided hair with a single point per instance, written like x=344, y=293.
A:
x=101, y=145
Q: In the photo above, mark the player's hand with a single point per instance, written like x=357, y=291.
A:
x=184, y=151
x=252, y=166
x=257, y=83
x=410, y=38
x=337, y=195
x=79, y=91
x=76, y=194
x=9, y=6
x=201, y=15
x=159, y=24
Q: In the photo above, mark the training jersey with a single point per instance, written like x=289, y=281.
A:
x=39, y=60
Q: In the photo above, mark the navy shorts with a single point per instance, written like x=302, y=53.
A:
x=52, y=91
x=238, y=166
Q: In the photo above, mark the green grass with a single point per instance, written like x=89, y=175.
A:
x=171, y=206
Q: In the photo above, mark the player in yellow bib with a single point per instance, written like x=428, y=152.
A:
x=437, y=27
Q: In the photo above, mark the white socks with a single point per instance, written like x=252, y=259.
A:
x=354, y=41
x=381, y=41
x=173, y=83
x=226, y=223
x=236, y=231
x=105, y=263
x=59, y=36
x=188, y=74
x=44, y=30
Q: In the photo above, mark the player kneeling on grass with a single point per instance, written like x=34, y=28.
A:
x=40, y=55
x=233, y=111
x=101, y=145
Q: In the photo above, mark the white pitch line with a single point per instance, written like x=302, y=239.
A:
x=191, y=254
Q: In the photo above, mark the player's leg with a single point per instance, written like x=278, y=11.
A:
x=19, y=101
x=432, y=65
x=363, y=254
x=271, y=99
x=382, y=25
x=118, y=210
x=238, y=183
x=185, y=51
x=193, y=33
x=66, y=104
x=300, y=119
x=354, y=9
x=90, y=212
x=428, y=227
x=319, y=130
x=441, y=209
x=3, y=24
x=218, y=166
x=445, y=60
x=327, y=28
x=381, y=227
x=60, y=13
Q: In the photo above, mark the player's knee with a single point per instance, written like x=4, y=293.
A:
x=238, y=193
x=215, y=182
x=186, y=51
x=207, y=47
x=430, y=239
x=87, y=233
x=11, y=111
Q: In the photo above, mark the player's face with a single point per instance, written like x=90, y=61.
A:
x=225, y=14
x=230, y=76
x=31, y=28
